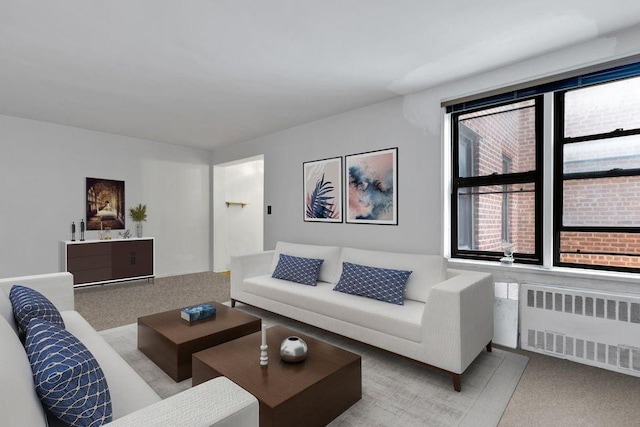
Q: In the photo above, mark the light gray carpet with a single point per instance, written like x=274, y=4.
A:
x=396, y=391
x=108, y=306
x=552, y=392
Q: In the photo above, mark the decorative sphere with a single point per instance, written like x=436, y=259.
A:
x=293, y=349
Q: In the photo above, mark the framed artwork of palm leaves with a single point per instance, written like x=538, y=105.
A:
x=323, y=190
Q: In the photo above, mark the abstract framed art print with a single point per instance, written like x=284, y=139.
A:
x=323, y=190
x=372, y=187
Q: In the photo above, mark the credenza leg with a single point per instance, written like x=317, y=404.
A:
x=489, y=346
x=233, y=302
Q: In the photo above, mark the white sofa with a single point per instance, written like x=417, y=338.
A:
x=445, y=322
x=218, y=402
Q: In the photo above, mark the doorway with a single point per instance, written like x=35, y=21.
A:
x=238, y=200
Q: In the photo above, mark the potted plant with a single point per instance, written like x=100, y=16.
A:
x=138, y=214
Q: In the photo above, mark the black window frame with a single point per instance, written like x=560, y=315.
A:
x=560, y=177
x=506, y=167
x=535, y=177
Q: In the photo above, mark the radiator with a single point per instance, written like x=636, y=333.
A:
x=594, y=328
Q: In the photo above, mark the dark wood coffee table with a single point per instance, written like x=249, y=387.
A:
x=169, y=341
x=309, y=393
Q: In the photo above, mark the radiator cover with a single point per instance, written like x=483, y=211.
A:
x=594, y=328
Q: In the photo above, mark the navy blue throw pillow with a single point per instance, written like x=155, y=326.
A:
x=66, y=376
x=28, y=303
x=297, y=269
x=383, y=284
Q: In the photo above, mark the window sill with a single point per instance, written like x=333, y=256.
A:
x=575, y=273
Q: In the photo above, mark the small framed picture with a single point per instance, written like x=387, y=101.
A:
x=372, y=187
x=323, y=190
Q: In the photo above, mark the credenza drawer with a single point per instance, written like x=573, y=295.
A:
x=88, y=249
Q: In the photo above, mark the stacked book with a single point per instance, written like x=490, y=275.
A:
x=198, y=312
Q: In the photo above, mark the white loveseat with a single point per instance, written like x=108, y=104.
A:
x=445, y=322
x=218, y=402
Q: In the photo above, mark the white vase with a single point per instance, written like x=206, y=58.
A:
x=139, y=229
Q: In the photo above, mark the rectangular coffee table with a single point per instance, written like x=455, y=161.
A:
x=169, y=341
x=309, y=393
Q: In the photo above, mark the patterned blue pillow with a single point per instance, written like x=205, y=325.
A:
x=67, y=377
x=297, y=269
x=378, y=283
x=28, y=304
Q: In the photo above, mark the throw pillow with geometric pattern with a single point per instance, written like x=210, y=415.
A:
x=28, y=304
x=67, y=377
x=383, y=284
x=298, y=269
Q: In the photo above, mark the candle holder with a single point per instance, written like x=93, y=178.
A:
x=73, y=231
x=264, y=358
x=82, y=230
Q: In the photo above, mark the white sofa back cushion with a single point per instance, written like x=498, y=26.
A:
x=427, y=270
x=19, y=403
x=6, y=310
x=330, y=255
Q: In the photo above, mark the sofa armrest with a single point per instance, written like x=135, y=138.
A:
x=57, y=287
x=249, y=265
x=458, y=318
x=218, y=402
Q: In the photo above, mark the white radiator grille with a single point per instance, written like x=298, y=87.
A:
x=597, y=329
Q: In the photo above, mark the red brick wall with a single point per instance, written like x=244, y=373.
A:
x=601, y=242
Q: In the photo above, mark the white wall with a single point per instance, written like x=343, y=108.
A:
x=375, y=127
x=42, y=190
x=413, y=123
x=237, y=229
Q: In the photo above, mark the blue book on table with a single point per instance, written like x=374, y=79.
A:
x=198, y=312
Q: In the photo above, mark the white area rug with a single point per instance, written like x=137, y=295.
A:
x=395, y=391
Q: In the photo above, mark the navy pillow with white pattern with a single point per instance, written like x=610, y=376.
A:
x=28, y=303
x=298, y=269
x=67, y=377
x=383, y=284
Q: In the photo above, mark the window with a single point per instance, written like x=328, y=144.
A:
x=497, y=181
x=597, y=176
x=593, y=138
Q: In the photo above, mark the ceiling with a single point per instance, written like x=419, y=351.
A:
x=210, y=73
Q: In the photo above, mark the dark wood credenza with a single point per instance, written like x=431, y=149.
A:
x=102, y=261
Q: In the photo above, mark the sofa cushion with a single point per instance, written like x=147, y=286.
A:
x=19, y=402
x=67, y=377
x=329, y=254
x=6, y=310
x=382, y=284
x=129, y=392
x=427, y=270
x=403, y=321
x=298, y=269
x=28, y=304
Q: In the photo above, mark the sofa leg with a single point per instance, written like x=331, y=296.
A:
x=489, y=346
x=233, y=304
x=456, y=382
